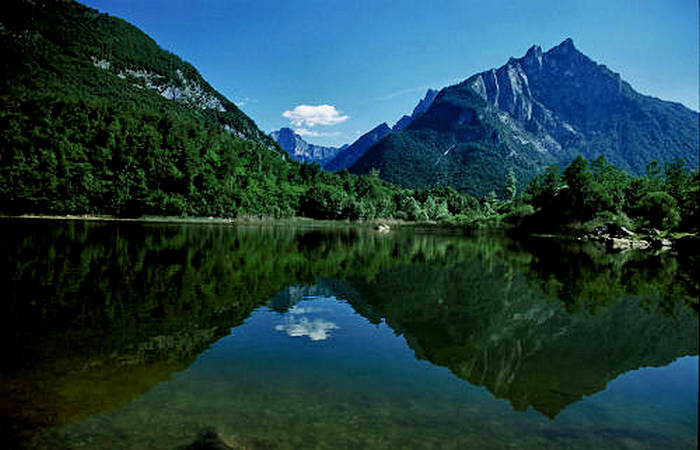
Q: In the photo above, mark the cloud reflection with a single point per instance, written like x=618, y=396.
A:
x=316, y=329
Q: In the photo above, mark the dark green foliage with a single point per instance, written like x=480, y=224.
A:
x=663, y=200
x=63, y=155
x=658, y=210
x=54, y=47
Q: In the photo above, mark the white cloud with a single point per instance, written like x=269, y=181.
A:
x=296, y=309
x=316, y=330
x=310, y=115
x=312, y=133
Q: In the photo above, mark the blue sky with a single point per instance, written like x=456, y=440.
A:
x=370, y=61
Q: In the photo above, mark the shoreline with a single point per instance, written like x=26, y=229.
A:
x=612, y=243
x=245, y=220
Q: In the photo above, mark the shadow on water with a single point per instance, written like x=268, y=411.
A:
x=95, y=314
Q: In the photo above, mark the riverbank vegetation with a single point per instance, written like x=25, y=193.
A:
x=586, y=195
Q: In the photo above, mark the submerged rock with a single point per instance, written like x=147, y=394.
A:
x=208, y=439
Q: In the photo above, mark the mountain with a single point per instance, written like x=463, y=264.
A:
x=424, y=104
x=420, y=108
x=300, y=150
x=98, y=119
x=544, y=108
x=346, y=157
x=402, y=123
x=60, y=47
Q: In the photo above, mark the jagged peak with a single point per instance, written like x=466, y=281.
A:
x=566, y=46
x=424, y=103
x=534, y=51
x=533, y=57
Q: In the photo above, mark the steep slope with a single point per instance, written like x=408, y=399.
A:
x=544, y=108
x=300, y=150
x=63, y=47
x=347, y=156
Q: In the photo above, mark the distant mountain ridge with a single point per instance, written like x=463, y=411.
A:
x=544, y=108
x=302, y=151
x=348, y=156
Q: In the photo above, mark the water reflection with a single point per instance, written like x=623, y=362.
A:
x=315, y=329
x=491, y=328
x=96, y=315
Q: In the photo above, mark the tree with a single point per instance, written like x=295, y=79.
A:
x=511, y=186
x=658, y=210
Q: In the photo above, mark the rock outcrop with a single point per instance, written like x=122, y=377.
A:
x=300, y=150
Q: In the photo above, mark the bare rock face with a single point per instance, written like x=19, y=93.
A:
x=402, y=123
x=300, y=150
x=425, y=103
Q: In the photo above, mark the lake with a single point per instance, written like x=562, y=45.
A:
x=136, y=335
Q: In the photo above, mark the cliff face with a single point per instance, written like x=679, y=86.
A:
x=579, y=106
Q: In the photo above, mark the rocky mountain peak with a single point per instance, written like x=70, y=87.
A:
x=566, y=56
x=533, y=58
x=566, y=47
x=286, y=138
x=300, y=150
x=402, y=123
x=542, y=108
x=425, y=103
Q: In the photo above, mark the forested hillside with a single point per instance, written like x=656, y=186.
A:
x=95, y=118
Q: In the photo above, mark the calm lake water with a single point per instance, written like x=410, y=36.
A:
x=122, y=335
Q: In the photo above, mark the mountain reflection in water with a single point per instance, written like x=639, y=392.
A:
x=96, y=315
